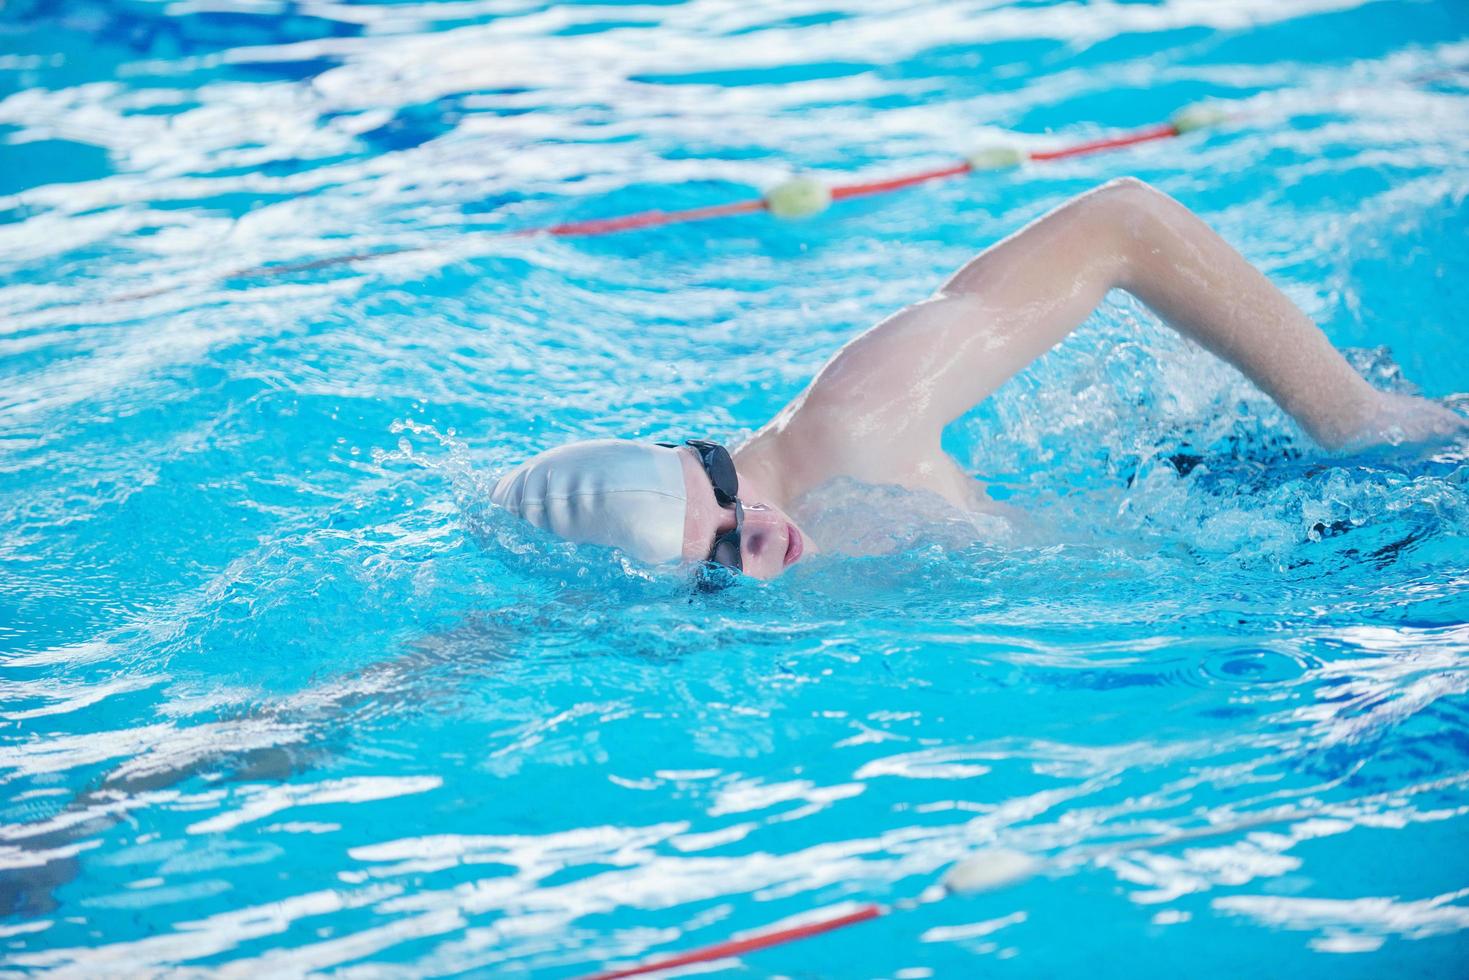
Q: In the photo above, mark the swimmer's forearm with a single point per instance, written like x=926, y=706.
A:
x=1028, y=292
x=1207, y=291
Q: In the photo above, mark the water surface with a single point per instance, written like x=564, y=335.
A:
x=284, y=695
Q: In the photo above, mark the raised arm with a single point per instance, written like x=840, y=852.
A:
x=926, y=365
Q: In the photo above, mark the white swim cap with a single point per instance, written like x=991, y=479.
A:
x=604, y=491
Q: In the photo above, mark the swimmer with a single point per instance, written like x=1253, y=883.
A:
x=875, y=411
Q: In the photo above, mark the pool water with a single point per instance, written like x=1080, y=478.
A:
x=283, y=694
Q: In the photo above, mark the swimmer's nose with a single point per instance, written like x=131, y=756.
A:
x=759, y=530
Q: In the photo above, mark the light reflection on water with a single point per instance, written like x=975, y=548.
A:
x=283, y=694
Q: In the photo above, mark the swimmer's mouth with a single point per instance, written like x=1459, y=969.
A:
x=794, y=545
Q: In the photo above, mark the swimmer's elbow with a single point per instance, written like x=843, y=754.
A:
x=1139, y=222
x=1122, y=196
x=1118, y=220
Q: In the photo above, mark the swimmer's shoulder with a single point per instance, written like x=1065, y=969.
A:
x=799, y=452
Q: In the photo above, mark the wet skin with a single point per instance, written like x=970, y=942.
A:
x=770, y=541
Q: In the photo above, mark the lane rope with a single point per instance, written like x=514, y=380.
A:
x=995, y=868
x=803, y=196
x=826, y=922
x=799, y=197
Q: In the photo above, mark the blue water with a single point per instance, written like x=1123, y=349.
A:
x=282, y=693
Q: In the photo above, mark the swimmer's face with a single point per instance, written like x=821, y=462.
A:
x=770, y=542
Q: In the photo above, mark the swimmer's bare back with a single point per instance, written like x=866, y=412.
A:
x=876, y=410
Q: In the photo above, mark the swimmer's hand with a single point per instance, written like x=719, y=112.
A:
x=1407, y=420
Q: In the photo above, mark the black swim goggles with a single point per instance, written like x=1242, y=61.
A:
x=720, y=469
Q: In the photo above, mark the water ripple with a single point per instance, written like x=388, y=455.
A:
x=285, y=694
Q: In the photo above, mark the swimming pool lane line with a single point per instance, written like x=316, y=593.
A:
x=798, y=197
x=803, y=196
x=995, y=869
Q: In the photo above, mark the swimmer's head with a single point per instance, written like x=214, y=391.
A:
x=604, y=491
x=657, y=503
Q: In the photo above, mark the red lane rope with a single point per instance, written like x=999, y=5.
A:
x=644, y=219
x=735, y=947
x=276, y=270
x=653, y=219
x=843, y=191
x=650, y=219
x=1162, y=131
